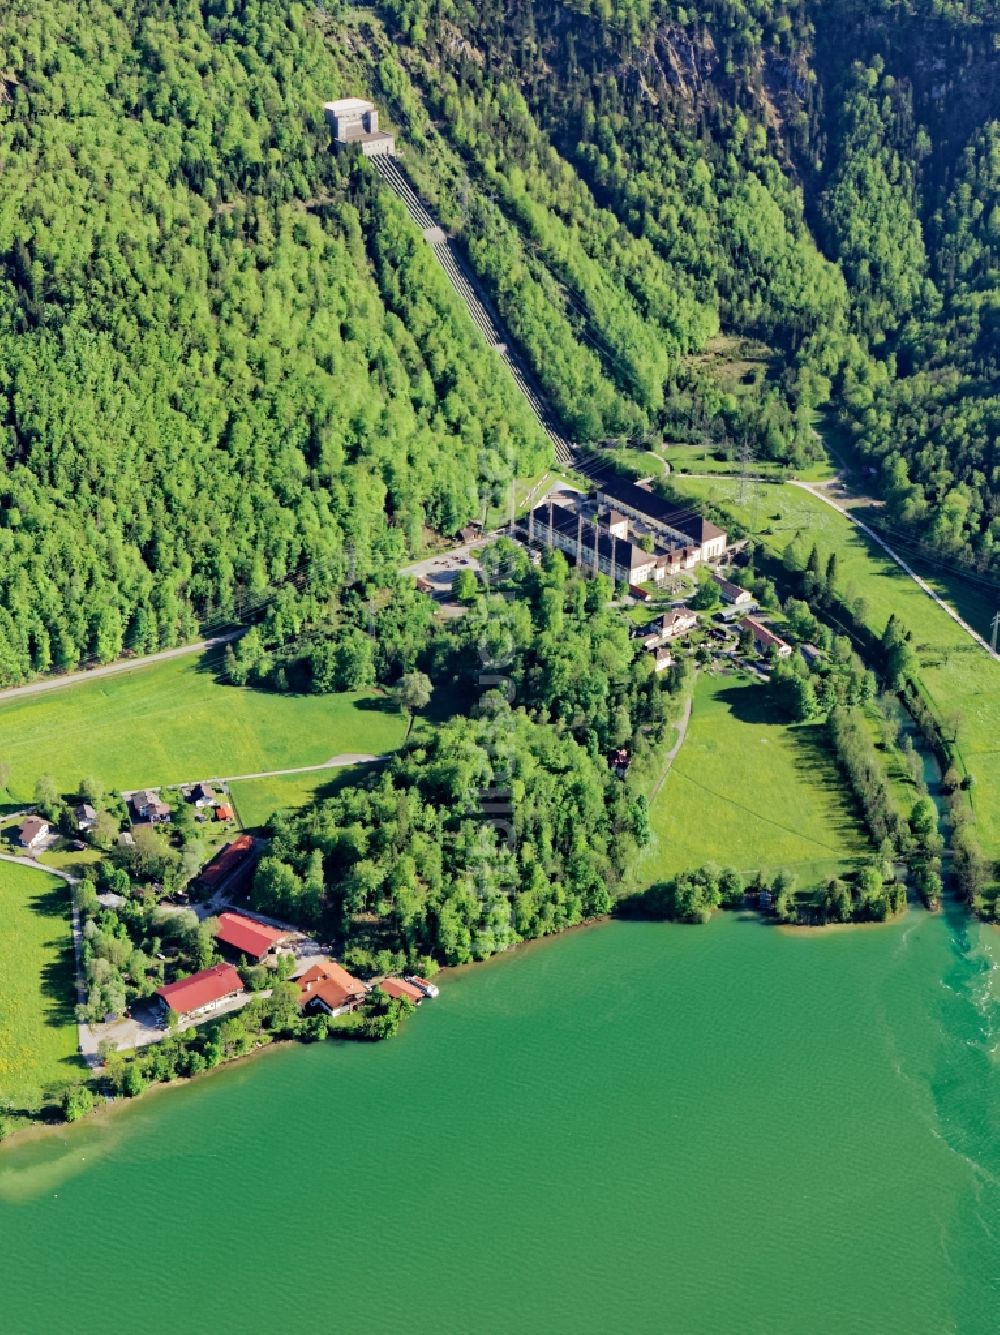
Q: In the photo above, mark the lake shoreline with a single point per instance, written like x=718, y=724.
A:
x=109, y=1107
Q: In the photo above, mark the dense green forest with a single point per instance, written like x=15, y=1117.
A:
x=506, y=822
x=229, y=367
x=217, y=375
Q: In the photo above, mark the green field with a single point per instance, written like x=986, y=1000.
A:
x=748, y=791
x=174, y=722
x=37, y=992
x=959, y=675
x=258, y=799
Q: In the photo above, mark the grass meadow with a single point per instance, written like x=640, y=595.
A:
x=257, y=799
x=38, y=1045
x=747, y=790
x=959, y=676
x=174, y=721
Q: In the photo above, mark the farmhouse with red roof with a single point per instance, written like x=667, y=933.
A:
x=196, y=997
x=248, y=937
x=234, y=857
x=330, y=988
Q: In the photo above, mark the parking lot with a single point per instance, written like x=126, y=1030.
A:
x=439, y=571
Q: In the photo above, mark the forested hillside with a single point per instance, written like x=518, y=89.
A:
x=226, y=364
x=229, y=366
x=819, y=176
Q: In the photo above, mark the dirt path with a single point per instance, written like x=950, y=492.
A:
x=109, y=669
x=335, y=762
x=671, y=756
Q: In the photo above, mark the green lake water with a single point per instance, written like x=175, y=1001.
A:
x=636, y=1128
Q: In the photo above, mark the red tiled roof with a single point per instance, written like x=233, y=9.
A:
x=250, y=938
x=330, y=983
x=226, y=861
x=762, y=634
x=399, y=987
x=224, y=812
x=190, y=994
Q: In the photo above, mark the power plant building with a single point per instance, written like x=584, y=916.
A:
x=592, y=547
x=704, y=540
x=355, y=121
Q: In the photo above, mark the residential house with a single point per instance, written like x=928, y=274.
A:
x=765, y=639
x=196, y=997
x=329, y=988
x=33, y=831
x=246, y=936
x=733, y=593
x=662, y=657
x=620, y=760
x=224, y=812
x=678, y=621
x=203, y=796
x=147, y=806
x=85, y=816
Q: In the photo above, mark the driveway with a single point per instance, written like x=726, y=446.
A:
x=144, y=1028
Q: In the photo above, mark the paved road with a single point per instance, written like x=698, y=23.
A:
x=109, y=669
x=817, y=490
x=335, y=762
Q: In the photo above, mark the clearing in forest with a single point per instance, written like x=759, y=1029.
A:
x=174, y=721
x=749, y=791
x=960, y=677
x=38, y=1037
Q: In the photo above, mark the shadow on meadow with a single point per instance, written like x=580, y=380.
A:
x=751, y=703
x=59, y=972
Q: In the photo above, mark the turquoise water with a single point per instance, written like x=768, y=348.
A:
x=637, y=1127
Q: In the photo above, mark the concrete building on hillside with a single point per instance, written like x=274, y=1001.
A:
x=355, y=121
